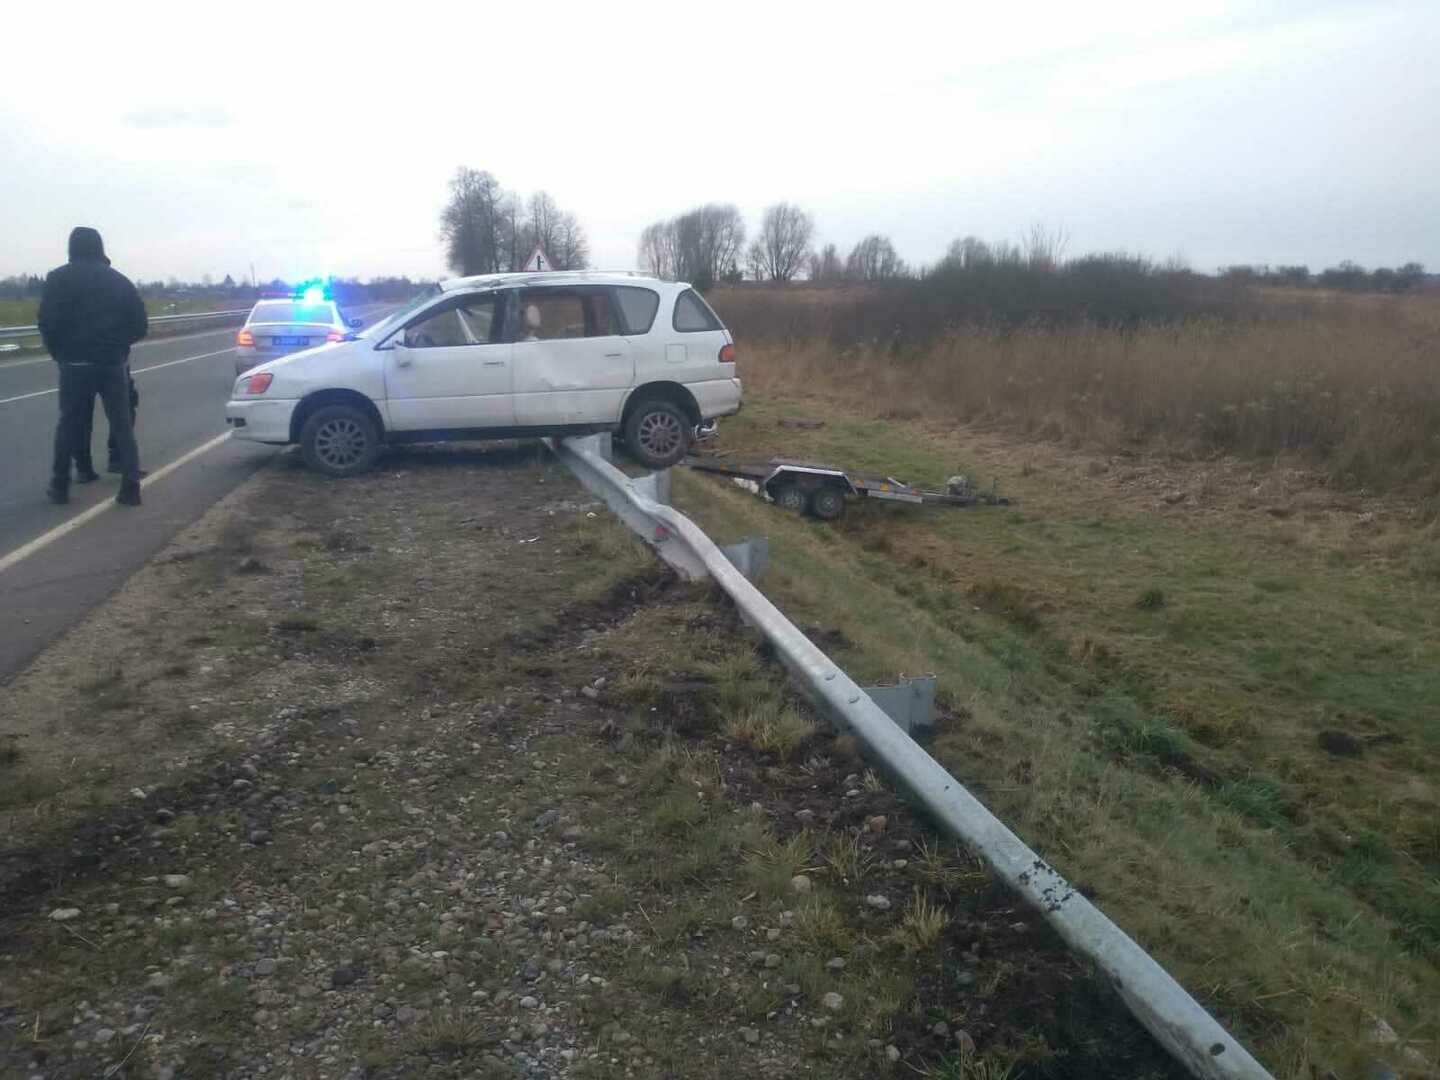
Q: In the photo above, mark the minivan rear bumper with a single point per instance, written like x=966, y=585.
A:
x=716, y=397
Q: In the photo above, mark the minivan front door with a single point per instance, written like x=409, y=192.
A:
x=572, y=364
x=451, y=369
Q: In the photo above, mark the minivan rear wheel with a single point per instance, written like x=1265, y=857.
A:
x=340, y=440
x=657, y=433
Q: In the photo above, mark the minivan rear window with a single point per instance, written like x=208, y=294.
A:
x=637, y=308
x=692, y=314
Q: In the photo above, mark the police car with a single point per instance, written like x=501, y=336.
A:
x=278, y=326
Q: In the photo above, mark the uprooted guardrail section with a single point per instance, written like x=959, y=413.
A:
x=1168, y=1012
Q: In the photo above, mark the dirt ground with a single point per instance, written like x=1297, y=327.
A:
x=436, y=772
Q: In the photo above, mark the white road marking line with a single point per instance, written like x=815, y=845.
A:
x=6, y=365
x=134, y=371
x=45, y=540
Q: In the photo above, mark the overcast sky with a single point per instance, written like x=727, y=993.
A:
x=317, y=138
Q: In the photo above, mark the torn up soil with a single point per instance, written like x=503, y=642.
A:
x=436, y=773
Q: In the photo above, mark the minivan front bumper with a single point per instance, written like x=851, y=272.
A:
x=260, y=420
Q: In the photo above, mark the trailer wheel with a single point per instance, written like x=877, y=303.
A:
x=827, y=503
x=791, y=497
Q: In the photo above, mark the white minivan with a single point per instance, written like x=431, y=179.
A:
x=501, y=356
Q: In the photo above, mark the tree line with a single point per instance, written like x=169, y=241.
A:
x=488, y=230
x=706, y=245
x=1348, y=277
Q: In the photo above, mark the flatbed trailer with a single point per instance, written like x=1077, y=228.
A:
x=822, y=490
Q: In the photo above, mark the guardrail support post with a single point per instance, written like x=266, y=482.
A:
x=605, y=446
x=910, y=703
x=655, y=486
x=751, y=556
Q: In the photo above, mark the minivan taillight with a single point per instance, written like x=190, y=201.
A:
x=727, y=354
x=246, y=338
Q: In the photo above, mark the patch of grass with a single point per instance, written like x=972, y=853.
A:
x=451, y=1032
x=771, y=729
x=1257, y=798
x=298, y=623
x=969, y=1067
x=1151, y=600
x=669, y=986
x=600, y=908
x=847, y=859
x=770, y=867
x=921, y=925
x=819, y=926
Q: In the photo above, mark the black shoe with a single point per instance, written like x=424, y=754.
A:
x=129, y=493
x=57, y=492
x=86, y=476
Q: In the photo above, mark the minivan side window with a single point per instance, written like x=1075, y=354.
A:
x=692, y=314
x=637, y=307
x=467, y=320
x=548, y=314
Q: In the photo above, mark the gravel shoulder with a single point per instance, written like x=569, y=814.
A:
x=437, y=773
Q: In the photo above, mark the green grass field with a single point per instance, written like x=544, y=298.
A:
x=22, y=312
x=1206, y=692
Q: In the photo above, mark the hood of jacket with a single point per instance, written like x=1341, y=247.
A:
x=86, y=245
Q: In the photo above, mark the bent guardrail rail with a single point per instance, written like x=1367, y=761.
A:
x=1175, y=1019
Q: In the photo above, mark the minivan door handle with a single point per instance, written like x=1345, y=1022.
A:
x=494, y=363
x=613, y=355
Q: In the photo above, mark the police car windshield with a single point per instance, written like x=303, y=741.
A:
x=283, y=311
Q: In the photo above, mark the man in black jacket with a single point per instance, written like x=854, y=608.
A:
x=90, y=315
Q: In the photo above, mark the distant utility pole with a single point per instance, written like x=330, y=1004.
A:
x=252, y=273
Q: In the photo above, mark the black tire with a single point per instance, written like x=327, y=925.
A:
x=340, y=440
x=827, y=503
x=791, y=497
x=658, y=433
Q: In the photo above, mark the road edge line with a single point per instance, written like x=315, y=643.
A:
x=44, y=540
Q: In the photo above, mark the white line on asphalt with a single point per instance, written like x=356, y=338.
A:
x=99, y=508
x=136, y=371
x=168, y=339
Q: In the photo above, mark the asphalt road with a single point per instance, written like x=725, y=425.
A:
x=183, y=383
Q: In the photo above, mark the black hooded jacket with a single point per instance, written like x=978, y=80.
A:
x=89, y=313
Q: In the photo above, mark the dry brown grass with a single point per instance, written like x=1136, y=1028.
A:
x=1351, y=387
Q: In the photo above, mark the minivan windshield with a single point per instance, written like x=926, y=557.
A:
x=385, y=325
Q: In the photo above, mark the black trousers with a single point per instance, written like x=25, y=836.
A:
x=83, y=460
x=79, y=386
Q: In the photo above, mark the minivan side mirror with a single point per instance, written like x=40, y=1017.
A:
x=355, y=324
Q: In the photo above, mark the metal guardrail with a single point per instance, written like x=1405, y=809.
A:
x=12, y=333
x=1175, y=1019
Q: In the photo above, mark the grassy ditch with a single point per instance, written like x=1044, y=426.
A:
x=1206, y=694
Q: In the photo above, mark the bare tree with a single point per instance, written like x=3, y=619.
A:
x=701, y=245
x=657, y=254
x=785, y=235
x=487, y=230
x=472, y=223
x=874, y=259
x=827, y=265
x=571, y=247
x=1044, y=247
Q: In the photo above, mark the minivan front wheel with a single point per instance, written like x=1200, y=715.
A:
x=657, y=433
x=340, y=440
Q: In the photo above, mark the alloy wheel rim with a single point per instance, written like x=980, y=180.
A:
x=340, y=443
x=660, y=433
